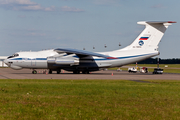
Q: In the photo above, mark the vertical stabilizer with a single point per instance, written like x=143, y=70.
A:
x=150, y=36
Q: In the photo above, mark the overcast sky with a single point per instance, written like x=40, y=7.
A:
x=44, y=24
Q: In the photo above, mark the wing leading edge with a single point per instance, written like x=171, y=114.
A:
x=81, y=53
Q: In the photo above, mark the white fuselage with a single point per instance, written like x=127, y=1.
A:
x=38, y=60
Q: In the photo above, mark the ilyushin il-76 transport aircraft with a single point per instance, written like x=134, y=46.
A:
x=143, y=47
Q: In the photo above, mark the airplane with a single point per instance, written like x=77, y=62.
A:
x=143, y=47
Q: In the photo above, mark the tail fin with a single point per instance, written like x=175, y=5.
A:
x=150, y=36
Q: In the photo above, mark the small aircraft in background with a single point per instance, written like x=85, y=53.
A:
x=143, y=47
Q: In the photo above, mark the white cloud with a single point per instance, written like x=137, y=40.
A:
x=28, y=5
x=20, y=2
x=52, y=8
x=71, y=9
x=21, y=5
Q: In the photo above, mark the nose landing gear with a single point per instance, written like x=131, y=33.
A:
x=34, y=72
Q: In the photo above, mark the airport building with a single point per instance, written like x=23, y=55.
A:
x=2, y=64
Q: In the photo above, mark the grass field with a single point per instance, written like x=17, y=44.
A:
x=89, y=99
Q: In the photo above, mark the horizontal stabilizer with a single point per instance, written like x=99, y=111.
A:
x=155, y=22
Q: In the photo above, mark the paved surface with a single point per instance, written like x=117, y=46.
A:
x=7, y=73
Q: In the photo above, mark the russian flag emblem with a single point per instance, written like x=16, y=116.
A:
x=143, y=38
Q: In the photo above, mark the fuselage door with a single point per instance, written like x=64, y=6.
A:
x=33, y=62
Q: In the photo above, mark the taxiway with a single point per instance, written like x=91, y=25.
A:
x=7, y=73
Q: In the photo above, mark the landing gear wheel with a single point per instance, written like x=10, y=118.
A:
x=50, y=71
x=85, y=72
x=76, y=72
x=34, y=72
x=58, y=71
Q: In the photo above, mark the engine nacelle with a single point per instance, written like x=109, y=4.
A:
x=51, y=60
x=65, y=61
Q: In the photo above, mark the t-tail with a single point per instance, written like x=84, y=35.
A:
x=150, y=36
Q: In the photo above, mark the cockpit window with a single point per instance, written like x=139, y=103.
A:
x=14, y=55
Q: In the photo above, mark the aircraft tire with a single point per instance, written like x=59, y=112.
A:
x=76, y=72
x=50, y=71
x=58, y=71
x=34, y=72
x=85, y=72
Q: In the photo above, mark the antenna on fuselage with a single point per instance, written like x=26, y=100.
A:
x=119, y=44
x=105, y=46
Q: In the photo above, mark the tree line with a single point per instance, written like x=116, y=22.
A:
x=161, y=61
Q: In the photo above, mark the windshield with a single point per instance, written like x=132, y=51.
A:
x=14, y=55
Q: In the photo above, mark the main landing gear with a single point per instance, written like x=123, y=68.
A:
x=85, y=72
x=78, y=72
x=58, y=71
x=50, y=71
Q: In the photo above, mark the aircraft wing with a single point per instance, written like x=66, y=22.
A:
x=81, y=53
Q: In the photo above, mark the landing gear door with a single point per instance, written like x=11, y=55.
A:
x=33, y=62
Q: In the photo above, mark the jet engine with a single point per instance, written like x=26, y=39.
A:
x=65, y=60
